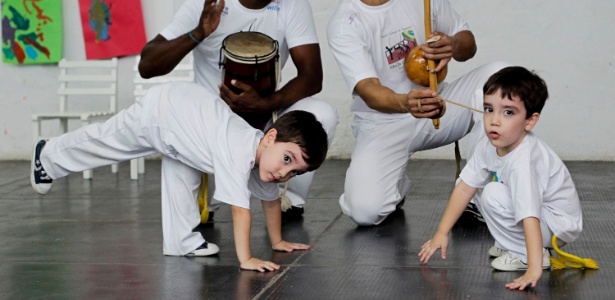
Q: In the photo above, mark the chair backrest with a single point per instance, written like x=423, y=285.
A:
x=87, y=80
x=184, y=71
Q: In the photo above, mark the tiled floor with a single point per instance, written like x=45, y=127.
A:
x=101, y=239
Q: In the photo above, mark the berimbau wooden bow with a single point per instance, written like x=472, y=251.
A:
x=431, y=64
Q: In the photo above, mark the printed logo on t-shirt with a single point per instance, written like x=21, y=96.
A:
x=495, y=178
x=397, y=45
x=274, y=5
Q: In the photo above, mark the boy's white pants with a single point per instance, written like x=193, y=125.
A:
x=376, y=179
x=133, y=133
x=497, y=208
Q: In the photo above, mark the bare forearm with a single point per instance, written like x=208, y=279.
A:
x=296, y=89
x=241, y=229
x=160, y=56
x=273, y=217
x=533, y=242
x=309, y=77
x=464, y=46
x=461, y=196
x=381, y=98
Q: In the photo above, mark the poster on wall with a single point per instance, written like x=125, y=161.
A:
x=31, y=31
x=112, y=28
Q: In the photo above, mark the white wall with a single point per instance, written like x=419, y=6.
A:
x=32, y=88
x=569, y=43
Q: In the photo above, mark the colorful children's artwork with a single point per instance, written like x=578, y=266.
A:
x=31, y=31
x=112, y=28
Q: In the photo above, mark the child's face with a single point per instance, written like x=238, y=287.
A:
x=505, y=122
x=279, y=162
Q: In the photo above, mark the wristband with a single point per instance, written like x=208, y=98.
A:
x=193, y=38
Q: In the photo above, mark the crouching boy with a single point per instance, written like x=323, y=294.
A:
x=196, y=132
x=528, y=194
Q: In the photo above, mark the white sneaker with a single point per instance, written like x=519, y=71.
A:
x=206, y=249
x=508, y=262
x=496, y=252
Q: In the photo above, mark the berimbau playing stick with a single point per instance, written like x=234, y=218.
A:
x=459, y=104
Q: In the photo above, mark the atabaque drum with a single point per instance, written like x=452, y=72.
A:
x=252, y=58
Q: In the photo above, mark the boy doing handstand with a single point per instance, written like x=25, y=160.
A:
x=196, y=132
x=528, y=194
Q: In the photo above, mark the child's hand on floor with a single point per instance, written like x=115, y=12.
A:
x=530, y=278
x=431, y=246
x=258, y=265
x=289, y=247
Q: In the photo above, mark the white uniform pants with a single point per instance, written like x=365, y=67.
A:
x=133, y=133
x=375, y=180
x=299, y=187
x=497, y=208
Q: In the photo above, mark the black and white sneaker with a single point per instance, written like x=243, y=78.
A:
x=205, y=249
x=294, y=213
x=40, y=180
x=472, y=211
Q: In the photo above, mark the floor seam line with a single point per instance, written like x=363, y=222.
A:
x=277, y=277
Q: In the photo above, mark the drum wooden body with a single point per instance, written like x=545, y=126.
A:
x=251, y=58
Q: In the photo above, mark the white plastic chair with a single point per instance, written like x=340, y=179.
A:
x=87, y=92
x=184, y=71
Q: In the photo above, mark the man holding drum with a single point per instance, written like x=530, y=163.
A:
x=369, y=39
x=203, y=25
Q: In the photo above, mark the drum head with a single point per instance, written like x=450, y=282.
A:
x=249, y=45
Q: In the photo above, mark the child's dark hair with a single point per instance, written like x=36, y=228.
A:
x=520, y=82
x=302, y=128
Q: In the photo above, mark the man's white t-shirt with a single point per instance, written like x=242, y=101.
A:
x=290, y=22
x=372, y=41
x=194, y=126
x=539, y=182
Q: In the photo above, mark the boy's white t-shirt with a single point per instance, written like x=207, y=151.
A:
x=372, y=41
x=539, y=182
x=290, y=22
x=196, y=127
